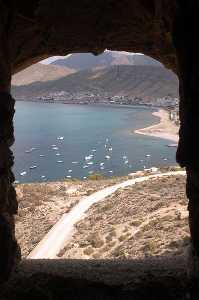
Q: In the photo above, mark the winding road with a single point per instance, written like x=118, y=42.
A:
x=62, y=231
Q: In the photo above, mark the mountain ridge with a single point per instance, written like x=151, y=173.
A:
x=40, y=72
x=140, y=81
x=85, y=61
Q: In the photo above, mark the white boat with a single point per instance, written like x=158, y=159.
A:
x=57, y=154
x=61, y=138
x=107, y=157
x=124, y=157
x=93, y=150
x=110, y=149
x=74, y=162
x=110, y=171
x=43, y=176
x=16, y=182
x=55, y=148
x=165, y=158
x=84, y=177
x=88, y=157
x=102, y=168
x=41, y=155
x=53, y=145
x=59, y=161
x=148, y=155
x=68, y=176
x=23, y=173
x=90, y=163
x=90, y=172
x=84, y=167
x=70, y=171
x=141, y=160
x=33, y=167
x=101, y=164
x=28, y=151
x=126, y=162
x=172, y=145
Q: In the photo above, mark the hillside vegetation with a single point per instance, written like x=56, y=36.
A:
x=147, y=219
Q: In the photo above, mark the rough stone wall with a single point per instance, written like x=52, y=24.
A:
x=9, y=250
x=8, y=203
x=32, y=30
x=58, y=27
x=186, y=41
x=162, y=29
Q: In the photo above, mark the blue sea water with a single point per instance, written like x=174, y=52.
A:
x=54, y=140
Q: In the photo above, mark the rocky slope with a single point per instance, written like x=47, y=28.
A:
x=40, y=72
x=147, y=82
x=147, y=219
x=42, y=204
x=84, y=61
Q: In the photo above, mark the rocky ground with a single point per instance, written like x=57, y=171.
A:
x=42, y=204
x=147, y=219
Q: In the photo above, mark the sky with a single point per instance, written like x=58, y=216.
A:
x=49, y=60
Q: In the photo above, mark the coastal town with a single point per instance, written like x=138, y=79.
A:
x=168, y=103
x=106, y=98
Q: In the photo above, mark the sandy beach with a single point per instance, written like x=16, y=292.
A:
x=165, y=129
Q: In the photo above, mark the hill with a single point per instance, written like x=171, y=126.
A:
x=40, y=72
x=132, y=223
x=84, y=61
x=146, y=82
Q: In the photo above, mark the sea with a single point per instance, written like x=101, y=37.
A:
x=65, y=141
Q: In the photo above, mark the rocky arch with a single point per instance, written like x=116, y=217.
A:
x=32, y=30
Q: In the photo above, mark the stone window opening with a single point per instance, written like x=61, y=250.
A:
x=167, y=31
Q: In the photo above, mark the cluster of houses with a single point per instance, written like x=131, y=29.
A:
x=106, y=98
x=174, y=115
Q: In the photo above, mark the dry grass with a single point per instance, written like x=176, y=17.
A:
x=42, y=204
x=146, y=219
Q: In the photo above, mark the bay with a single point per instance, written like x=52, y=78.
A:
x=54, y=141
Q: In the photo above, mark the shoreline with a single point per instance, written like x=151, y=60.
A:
x=165, y=129
x=137, y=105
